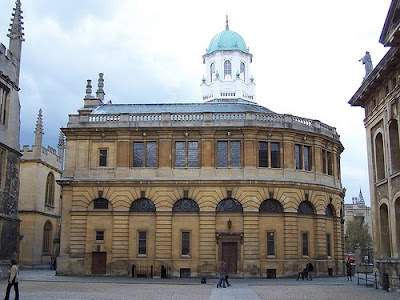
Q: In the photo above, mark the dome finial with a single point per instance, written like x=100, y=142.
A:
x=227, y=25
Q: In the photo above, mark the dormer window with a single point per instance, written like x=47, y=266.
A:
x=242, y=71
x=212, y=72
x=227, y=70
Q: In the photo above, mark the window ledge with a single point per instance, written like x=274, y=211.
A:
x=49, y=206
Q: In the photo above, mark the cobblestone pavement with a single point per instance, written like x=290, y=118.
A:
x=44, y=285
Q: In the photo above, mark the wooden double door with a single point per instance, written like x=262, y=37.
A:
x=230, y=256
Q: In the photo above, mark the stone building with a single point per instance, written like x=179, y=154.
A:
x=40, y=199
x=10, y=61
x=185, y=186
x=379, y=95
x=358, y=210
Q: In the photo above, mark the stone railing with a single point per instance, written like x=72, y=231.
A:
x=203, y=119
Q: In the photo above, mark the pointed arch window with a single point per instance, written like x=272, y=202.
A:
x=47, y=234
x=212, y=72
x=227, y=70
x=50, y=182
x=243, y=71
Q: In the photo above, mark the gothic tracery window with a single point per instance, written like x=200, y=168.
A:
x=47, y=233
x=50, y=182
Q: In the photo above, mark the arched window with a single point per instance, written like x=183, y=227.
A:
x=229, y=205
x=305, y=208
x=212, y=72
x=271, y=206
x=394, y=145
x=379, y=157
x=47, y=234
x=384, y=231
x=49, y=197
x=330, y=210
x=227, y=70
x=243, y=71
x=143, y=205
x=100, y=203
x=185, y=205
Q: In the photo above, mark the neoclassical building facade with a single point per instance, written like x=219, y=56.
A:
x=185, y=186
x=379, y=96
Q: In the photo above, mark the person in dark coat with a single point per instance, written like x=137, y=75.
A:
x=349, y=270
x=226, y=275
x=309, y=268
x=222, y=273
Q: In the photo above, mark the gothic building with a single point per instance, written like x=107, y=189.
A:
x=379, y=95
x=40, y=199
x=184, y=186
x=10, y=61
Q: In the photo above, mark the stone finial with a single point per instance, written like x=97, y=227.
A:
x=61, y=145
x=88, y=89
x=39, y=129
x=100, y=91
x=15, y=30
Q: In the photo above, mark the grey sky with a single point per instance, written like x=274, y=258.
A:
x=305, y=58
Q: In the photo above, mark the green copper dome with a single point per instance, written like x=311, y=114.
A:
x=227, y=40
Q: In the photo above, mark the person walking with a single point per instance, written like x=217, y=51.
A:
x=222, y=273
x=309, y=268
x=226, y=274
x=300, y=272
x=13, y=280
x=349, y=271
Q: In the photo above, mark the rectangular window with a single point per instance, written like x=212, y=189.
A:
x=275, y=155
x=263, y=154
x=4, y=96
x=305, y=243
x=229, y=154
x=103, y=158
x=185, y=243
x=323, y=161
x=142, y=242
x=187, y=154
x=144, y=154
x=235, y=154
x=299, y=156
x=329, y=162
x=270, y=243
x=328, y=245
x=99, y=235
x=2, y=166
x=307, y=158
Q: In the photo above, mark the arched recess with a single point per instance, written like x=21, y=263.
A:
x=143, y=205
x=50, y=182
x=330, y=210
x=305, y=208
x=100, y=203
x=397, y=222
x=229, y=205
x=47, y=237
x=271, y=206
x=185, y=205
x=384, y=230
x=394, y=145
x=379, y=157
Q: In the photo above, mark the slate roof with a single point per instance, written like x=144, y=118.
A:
x=180, y=108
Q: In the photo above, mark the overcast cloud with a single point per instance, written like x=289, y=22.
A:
x=305, y=58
